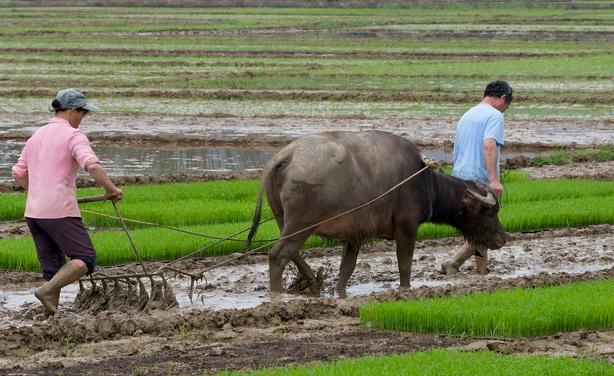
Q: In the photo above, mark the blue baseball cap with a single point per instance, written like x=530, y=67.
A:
x=71, y=98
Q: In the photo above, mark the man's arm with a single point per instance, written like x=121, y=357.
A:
x=490, y=159
x=101, y=178
x=20, y=171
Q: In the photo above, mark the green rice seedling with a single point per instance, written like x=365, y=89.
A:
x=158, y=198
x=573, y=212
x=555, y=189
x=179, y=213
x=511, y=313
x=558, y=158
x=159, y=244
x=215, y=202
x=154, y=244
x=444, y=362
x=598, y=154
x=12, y=206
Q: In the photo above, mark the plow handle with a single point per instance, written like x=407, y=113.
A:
x=83, y=200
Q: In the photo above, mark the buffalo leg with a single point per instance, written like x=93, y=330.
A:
x=481, y=262
x=348, y=263
x=406, y=240
x=284, y=251
x=452, y=267
x=304, y=269
x=466, y=251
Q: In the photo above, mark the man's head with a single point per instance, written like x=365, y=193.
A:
x=500, y=93
x=70, y=104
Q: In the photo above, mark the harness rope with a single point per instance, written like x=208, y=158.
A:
x=174, y=228
x=428, y=165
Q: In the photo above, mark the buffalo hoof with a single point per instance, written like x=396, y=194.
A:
x=448, y=268
x=306, y=286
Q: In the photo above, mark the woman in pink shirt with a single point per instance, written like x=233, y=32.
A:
x=47, y=170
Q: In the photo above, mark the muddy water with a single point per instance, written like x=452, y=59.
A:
x=159, y=161
x=192, y=130
x=572, y=251
x=129, y=161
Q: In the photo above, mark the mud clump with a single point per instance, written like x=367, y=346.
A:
x=301, y=285
x=124, y=296
x=111, y=324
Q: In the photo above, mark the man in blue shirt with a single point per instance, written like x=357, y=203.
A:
x=479, y=137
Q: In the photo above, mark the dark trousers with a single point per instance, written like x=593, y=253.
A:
x=60, y=237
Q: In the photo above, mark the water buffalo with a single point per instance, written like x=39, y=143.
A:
x=318, y=176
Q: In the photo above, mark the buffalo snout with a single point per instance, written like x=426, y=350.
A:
x=498, y=240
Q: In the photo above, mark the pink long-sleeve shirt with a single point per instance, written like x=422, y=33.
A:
x=50, y=160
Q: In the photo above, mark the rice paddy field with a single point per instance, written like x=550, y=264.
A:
x=180, y=77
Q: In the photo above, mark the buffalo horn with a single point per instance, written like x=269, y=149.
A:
x=488, y=200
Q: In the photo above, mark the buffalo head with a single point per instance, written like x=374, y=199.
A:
x=478, y=220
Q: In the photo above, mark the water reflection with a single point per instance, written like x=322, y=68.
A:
x=128, y=161
x=164, y=161
x=131, y=161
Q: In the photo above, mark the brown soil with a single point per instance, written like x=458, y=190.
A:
x=298, y=329
x=202, y=337
x=280, y=54
x=595, y=170
x=323, y=95
x=223, y=129
x=415, y=33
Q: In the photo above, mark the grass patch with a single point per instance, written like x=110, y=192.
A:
x=112, y=247
x=445, y=362
x=511, y=313
x=222, y=208
x=561, y=157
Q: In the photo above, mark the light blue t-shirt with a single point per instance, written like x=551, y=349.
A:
x=478, y=124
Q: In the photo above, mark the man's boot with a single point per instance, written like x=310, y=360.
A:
x=49, y=293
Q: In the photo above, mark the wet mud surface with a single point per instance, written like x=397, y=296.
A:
x=278, y=131
x=234, y=323
x=280, y=54
x=319, y=95
x=594, y=170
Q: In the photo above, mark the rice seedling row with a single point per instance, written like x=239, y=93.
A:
x=511, y=313
x=232, y=201
x=444, y=362
x=314, y=109
x=221, y=208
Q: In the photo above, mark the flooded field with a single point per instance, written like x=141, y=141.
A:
x=235, y=299
x=245, y=284
x=191, y=93
x=183, y=131
x=121, y=161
